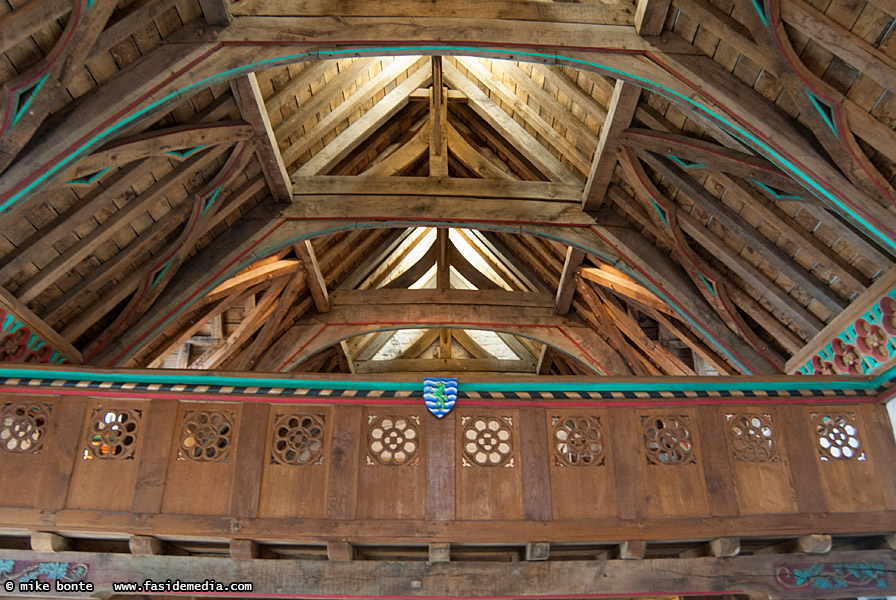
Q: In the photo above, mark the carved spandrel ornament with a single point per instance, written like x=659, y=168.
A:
x=298, y=439
x=753, y=438
x=668, y=440
x=577, y=441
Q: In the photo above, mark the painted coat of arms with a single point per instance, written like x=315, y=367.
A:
x=440, y=394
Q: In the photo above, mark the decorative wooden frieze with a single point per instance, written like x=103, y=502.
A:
x=23, y=426
x=298, y=439
x=838, y=436
x=487, y=441
x=860, y=341
x=393, y=440
x=25, y=338
x=831, y=576
x=667, y=439
x=753, y=438
x=112, y=433
x=206, y=436
x=577, y=441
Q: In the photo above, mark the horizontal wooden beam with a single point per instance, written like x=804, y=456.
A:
x=342, y=577
x=444, y=365
x=437, y=186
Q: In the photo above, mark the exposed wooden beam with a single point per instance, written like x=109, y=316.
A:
x=28, y=19
x=315, y=279
x=472, y=158
x=355, y=133
x=403, y=156
x=495, y=116
x=274, y=322
x=443, y=264
x=250, y=101
x=650, y=15
x=625, y=287
x=619, y=117
x=216, y=12
x=425, y=186
x=438, y=121
x=567, y=285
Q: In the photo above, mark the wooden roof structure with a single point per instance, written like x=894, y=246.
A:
x=402, y=186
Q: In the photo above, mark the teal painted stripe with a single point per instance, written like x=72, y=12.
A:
x=31, y=96
x=823, y=112
x=757, y=4
x=749, y=384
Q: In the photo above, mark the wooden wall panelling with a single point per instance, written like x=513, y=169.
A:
x=246, y=493
x=761, y=472
x=625, y=443
x=62, y=448
x=440, y=445
x=342, y=473
x=159, y=423
x=674, y=486
x=881, y=448
x=105, y=474
x=294, y=484
x=583, y=483
x=494, y=491
x=804, y=468
x=392, y=467
x=535, y=463
x=203, y=486
x=21, y=473
x=716, y=465
x=850, y=485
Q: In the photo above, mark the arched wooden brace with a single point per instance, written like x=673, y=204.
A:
x=196, y=58
x=270, y=228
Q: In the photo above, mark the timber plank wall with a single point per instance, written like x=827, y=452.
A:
x=392, y=473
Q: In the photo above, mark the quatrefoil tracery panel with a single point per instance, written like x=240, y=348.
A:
x=298, y=439
x=487, y=441
x=23, y=426
x=112, y=433
x=838, y=437
x=393, y=440
x=668, y=440
x=753, y=437
x=206, y=436
x=577, y=441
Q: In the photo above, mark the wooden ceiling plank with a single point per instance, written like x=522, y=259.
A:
x=739, y=265
x=315, y=279
x=251, y=104
x=841, y=42
x=415, y=271
x=727, y=217
x=125, y=22
x=533, y=119
x=727, y=28
x=619, y=118
x=694, y=342
x=555, y=76
x=505, y=262
x=391, y=261
x=216, y=12
x=27, y=20
x=358, y=98
x=497, y=118
x=370, y=121
x=328, y=93
x=312, y=72
x=44, y=240
x=369, y=241
x=567, y=286
x=650, y=15
x=782, y=334
x=87, y=244
x=576, y=130
x=252, y=277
